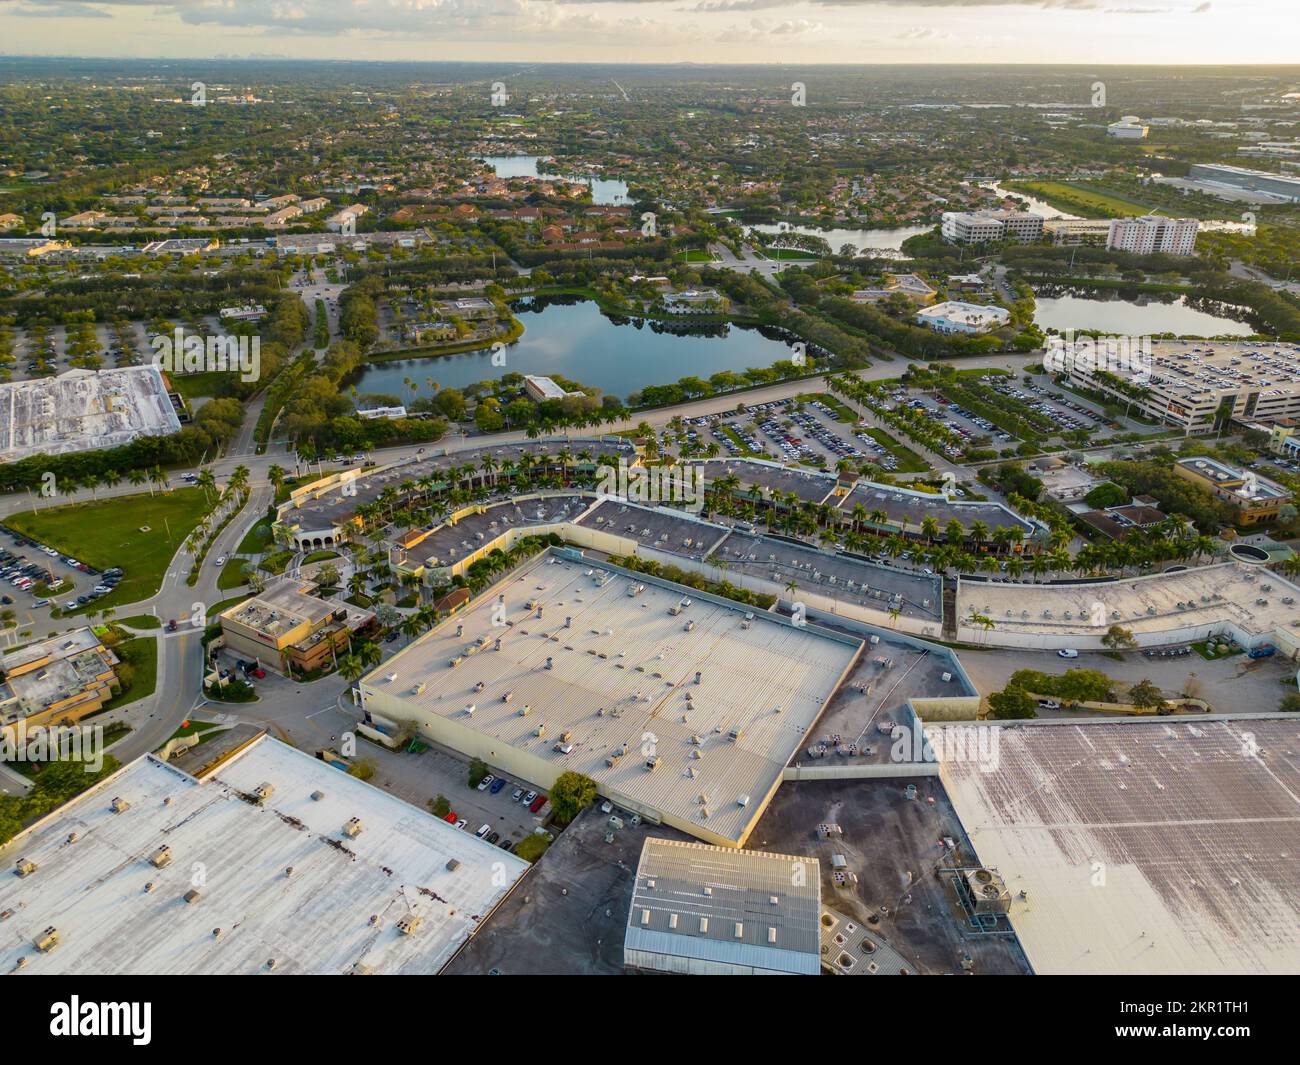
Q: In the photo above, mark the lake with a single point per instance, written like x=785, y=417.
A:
x=882, y=243
x=1036, y=205
x=575, y=340
x=1126, y=316
x=605, y=191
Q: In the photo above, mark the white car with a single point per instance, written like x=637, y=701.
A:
x=1068, y=652
x=486, y=782
x=221, y=560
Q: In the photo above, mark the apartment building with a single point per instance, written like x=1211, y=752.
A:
x=1152, y=233
x=983, y=227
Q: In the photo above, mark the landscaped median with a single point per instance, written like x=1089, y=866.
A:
x=139, y=533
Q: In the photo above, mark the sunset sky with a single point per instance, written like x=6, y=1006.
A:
x=625, y=31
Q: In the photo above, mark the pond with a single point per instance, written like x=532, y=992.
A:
x=1130, y=314
x=604, y=191
x=881, y=243
x=573, y=339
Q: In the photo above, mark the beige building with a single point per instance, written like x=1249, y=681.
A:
x=286, y=628
x=56, y=681
x=683, y=707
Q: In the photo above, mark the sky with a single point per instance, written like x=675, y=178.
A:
x=662, y=31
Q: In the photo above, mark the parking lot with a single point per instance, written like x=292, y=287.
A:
x=26, y=565
x=788, y=430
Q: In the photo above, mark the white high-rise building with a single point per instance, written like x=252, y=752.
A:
x=982, y=227
x=1152, y=233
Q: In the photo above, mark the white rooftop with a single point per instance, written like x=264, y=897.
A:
x=236, y=854
x=83, y=409
x=1154, y=846
x=622, y=678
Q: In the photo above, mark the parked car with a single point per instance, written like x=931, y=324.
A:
x=1261, y=652
x=517, y=794
x=1049, y=704
x=537, y=803
x=461, y=822
x=527, y=799
x=483, y=831
x=492, y=837
x=486, y=782
x=257, y=672
x=497, y=785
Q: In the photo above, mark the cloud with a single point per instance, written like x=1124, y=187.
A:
x=36, y=9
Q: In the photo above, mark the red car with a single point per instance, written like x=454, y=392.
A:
x=450, y=818
x=537, y=803
x=259, y=673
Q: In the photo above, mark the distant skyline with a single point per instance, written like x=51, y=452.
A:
x=1159, y=32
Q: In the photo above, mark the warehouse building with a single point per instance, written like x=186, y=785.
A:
x=271, y=862
x=714, y=911
x=683, y=707
x=1141, y=846
x=56, y=681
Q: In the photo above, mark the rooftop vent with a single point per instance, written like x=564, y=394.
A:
x=162, y=856
x=119, y=806
x=353, y=828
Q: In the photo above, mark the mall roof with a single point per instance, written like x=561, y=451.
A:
x=1158, y=846
x=280, y=879
x=328, y=506
x=625, y=669
x=1256, y=601
x=728, y=906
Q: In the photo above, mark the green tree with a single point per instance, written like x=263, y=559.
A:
x=1290, y=703
x=1146, y=696
x=477, y=771
x=440, y=807
x=571, y=794
x=1011, y=704
x=1117, y=636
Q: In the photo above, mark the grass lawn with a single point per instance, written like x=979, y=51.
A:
x=277, y=562
x=257, y=539
x=908, y=460
x=108, y=533
x=226, y=604
x=1203, y=649
x=141, y=621
x=141, y=654
x=232, y=575
x=321, y=556
x=1087, y=202
x=735, y=439
x=192, y=727
x=842, y=413
x=194, y=385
